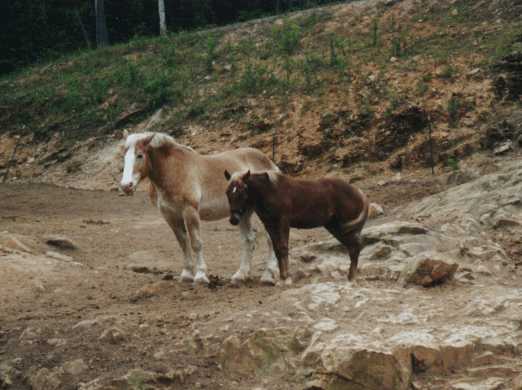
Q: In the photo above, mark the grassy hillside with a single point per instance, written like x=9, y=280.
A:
x=357, y=81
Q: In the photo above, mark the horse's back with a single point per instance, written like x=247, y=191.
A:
x=243, y=159
x=337, y=195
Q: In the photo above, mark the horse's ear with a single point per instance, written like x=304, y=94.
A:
x=246, y=176
x=146, y=141
x=125, y=134
x=227, y=175
x=266, y=176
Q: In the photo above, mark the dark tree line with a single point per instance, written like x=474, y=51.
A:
x=34, y=30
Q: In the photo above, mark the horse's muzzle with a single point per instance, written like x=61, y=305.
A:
x=234, y=219
x=128, y=189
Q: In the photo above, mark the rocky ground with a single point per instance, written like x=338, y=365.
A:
x=90, y=297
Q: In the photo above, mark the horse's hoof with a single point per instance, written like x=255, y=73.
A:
x=186, y=276
x=201, y=278
x=267, y=279
x=238, y=278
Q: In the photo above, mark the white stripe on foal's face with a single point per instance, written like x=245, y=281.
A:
x=131, y=176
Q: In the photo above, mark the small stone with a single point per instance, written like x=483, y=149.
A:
x=58, y=256
x=474, y=72
x=455, y=12
x=307, y=258
x=149, y=291
x=61, y=242
x=112, y=335
x=95, y=384
x=428, y=269
x=482, y=269
x=314, y=385
x=375, y=210
x=29, y=335
x=393, y=59
x=391, y=3
x=75, y=367
x=503, y=148
x=504, y=222
x=159, y=355
x=326, y=325
x=17, y=245
x=56, y=342
x=86, y=323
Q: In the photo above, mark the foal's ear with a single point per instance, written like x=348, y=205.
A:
x=246, y=176
x=125, y=134
x=266, y=177
x=227, y=175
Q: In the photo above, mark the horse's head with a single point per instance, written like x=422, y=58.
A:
x=237, y=194
x=136, y=161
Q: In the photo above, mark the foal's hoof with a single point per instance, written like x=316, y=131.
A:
x=286, y=282
x=186, y=276
x=201, y=278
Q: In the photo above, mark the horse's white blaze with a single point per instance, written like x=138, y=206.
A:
x=129, y=177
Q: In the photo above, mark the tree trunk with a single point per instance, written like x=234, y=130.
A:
x=102, y=37
x=162, y=18
x=82, y=26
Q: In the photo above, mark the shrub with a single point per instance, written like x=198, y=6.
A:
x=287, y=38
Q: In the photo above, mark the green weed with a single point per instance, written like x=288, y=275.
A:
x=454, y=106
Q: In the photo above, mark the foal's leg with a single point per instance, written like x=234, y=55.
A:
x=178, y=227
x=271, y=268
x=191, y=218
x=279, y=233
x=248, y=244
x=352, y=241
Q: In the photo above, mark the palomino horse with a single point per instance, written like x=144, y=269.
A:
x=282, y=202
x=188, y=187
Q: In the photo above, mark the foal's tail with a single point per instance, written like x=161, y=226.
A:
x=357, y=224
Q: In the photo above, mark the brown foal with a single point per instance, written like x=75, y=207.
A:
x=282, y=202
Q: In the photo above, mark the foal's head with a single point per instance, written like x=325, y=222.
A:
x=136, y=160
x=237, y=194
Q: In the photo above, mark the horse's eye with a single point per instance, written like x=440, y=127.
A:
x=139, y=156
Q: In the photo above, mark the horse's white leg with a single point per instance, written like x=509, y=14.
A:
x=178, y=227
x=191, y=218
x=272, y=269
x=248, y=245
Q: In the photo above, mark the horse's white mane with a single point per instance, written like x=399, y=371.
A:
x=159, y=139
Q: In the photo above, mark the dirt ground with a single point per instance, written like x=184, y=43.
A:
x=114, y=234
